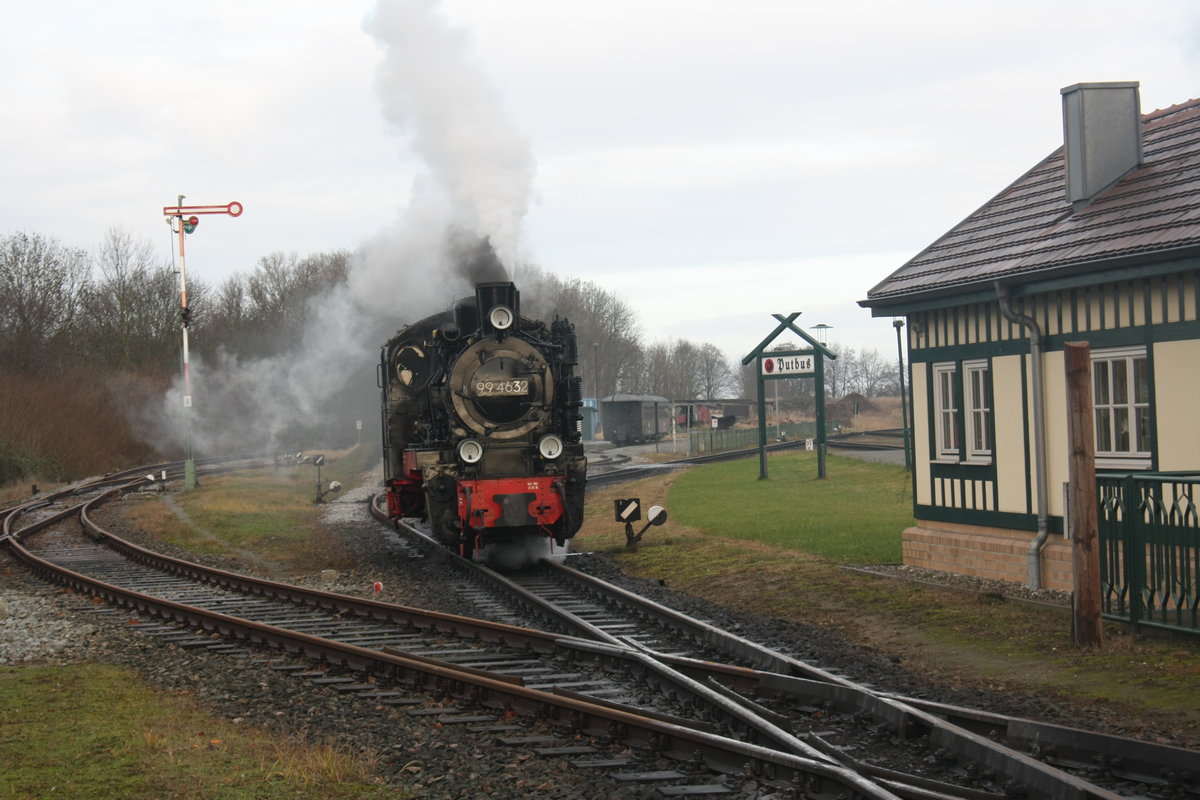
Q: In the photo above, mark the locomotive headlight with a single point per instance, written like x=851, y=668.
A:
x=501, y=317
x=470, y=451
x=550, y=446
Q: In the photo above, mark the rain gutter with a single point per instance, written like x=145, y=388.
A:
x=1033, y=556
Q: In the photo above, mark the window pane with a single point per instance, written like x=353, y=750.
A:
x=1101, y=374
x=1121, y=419
x=1141, y=381
x=979, y=434
x=1120, y=381
x=1143, y=429
x=1103, y=430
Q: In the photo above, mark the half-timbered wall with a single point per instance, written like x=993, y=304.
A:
x=1157, y=313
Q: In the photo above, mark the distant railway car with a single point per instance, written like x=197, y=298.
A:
x=635, y=418
x=693, y=415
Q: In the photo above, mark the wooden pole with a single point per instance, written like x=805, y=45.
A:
x=1085, y=551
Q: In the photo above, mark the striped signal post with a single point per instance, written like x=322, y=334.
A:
x=183, y=220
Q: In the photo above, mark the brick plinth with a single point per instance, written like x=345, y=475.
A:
x=994, y=553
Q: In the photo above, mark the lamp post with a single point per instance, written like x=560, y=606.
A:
x=898, y=324
x=596, y=387
x=596, y=372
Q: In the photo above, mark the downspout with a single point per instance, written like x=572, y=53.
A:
x=1033, y=556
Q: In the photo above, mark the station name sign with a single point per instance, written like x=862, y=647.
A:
x=786, y=365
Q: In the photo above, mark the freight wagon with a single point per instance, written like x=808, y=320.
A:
x=635, y=418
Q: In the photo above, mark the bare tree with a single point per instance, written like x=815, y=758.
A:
x=841, y=372
x=875, y=374
x=264, y=312
x=718, y=375
x=131, y=315
x=41, y=282
x=684, y=371
x=606, y=327
x=230, y=316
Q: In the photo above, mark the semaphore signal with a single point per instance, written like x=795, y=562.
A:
x=181, y=225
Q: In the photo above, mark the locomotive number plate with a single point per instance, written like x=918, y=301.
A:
x=501, y=388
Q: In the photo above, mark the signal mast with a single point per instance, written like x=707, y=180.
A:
x=183, y=220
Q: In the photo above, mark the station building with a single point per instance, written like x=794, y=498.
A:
x=1099, y=242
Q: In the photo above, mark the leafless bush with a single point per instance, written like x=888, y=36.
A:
x=66, y=426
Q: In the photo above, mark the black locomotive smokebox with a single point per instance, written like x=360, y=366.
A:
x=491, y=296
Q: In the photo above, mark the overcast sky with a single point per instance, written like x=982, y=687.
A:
x=712, y=163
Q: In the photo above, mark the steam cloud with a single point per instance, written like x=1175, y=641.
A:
x=462, y=223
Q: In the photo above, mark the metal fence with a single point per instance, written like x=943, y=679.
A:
x=1150, y=549
x=718, y=441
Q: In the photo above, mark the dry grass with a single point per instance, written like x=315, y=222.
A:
x=93, y=731
x=266, y=518
x=21, y=489
x=67, y=426
x=886, y=414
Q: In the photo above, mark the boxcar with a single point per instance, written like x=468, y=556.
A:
x=635, y=418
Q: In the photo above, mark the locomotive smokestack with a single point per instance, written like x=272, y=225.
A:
x=498, y=295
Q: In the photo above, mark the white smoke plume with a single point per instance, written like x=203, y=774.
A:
x=432, y=88
x=310, y=396
x=476, y=189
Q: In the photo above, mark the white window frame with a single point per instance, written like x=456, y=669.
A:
x=978, y=410
x=945, y=412
x=1116, y=417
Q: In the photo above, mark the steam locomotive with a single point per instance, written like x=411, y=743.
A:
x=482, y=424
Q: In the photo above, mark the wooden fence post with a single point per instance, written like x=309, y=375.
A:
x=1084, y=524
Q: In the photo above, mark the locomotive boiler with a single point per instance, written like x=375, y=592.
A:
x=482, y=424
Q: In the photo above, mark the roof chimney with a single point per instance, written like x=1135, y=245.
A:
x=1102, y=131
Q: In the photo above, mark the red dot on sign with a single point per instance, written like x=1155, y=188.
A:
x=769, y=365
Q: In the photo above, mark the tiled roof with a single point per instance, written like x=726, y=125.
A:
x=1030, y=228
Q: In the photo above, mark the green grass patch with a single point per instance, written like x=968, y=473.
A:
x=93, y=731
x=259, y=510
x=854, y=516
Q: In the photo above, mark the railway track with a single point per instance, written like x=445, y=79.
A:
x=205, y=602
x=609, y=666
x=1009, y=756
